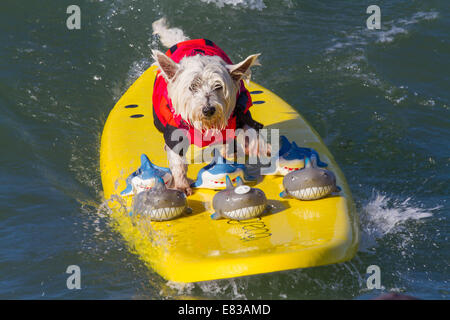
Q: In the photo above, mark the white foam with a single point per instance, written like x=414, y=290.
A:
x=136, y=70
x=249, y=4
x=230, y=288
x=383, y=216
x=389, y=35
x=420, y=16
x=351, y=48
x=400, y=26
x=391, y=29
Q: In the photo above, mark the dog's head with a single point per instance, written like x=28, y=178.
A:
x=202, y=88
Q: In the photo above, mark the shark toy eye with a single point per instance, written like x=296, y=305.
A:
x=242, y=189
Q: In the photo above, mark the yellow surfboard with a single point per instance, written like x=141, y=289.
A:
x=193, y=247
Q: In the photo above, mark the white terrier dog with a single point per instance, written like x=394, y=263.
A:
x=199, y=90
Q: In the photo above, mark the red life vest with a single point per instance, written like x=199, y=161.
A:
x=164, y=112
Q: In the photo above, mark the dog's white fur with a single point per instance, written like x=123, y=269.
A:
x=197, y=82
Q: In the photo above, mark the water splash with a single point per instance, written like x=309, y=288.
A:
x=232, y=289
x=384, y=216
x=249, y=4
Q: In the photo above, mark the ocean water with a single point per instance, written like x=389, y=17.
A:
x=379, y=98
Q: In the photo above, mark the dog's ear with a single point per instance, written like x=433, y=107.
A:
x=167, y=66
x=241, y=70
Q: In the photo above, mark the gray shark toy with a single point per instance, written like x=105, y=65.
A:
x=239, y=202
x=160, y=203
x=309, y=183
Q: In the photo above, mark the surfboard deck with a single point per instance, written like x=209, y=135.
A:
x=296, y=234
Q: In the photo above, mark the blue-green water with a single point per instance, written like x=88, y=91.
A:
x=379, y=98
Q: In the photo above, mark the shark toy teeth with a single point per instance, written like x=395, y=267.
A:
x=213, y=175
x=160, y=203
x=238, y=202
x=144, y=177
x=290, y=158
x=309, y=183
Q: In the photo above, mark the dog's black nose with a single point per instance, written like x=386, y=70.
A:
x=208, y=111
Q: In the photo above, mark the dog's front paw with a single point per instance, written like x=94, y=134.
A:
x=184, y=186
x=264, y=149
x=256, y=144
x=258, y=147
x=188, y=191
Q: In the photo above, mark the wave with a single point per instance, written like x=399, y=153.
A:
x=348, y=54
x=362, y=36
x=400, y=26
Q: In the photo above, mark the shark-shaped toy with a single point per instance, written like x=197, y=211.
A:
x=310, y=182
x=239, y=202
x=213, y=175
x=160, y=203
x=144, y=177
x=290, y=158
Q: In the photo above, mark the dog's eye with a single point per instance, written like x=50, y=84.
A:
x=193, y=87
x=218, y=87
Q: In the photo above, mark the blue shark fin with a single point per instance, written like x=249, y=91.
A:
x=127, y=190
x=313, y=159
x=239, y=181
x=145, y=162
x=319, y=163
x=217, y=157
x=220, y=159
x=159, y=183
x=196, y=184
x=285, y=145
x=229, y=184
x=160, y=168
x=307, y=162
x=305, y=151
